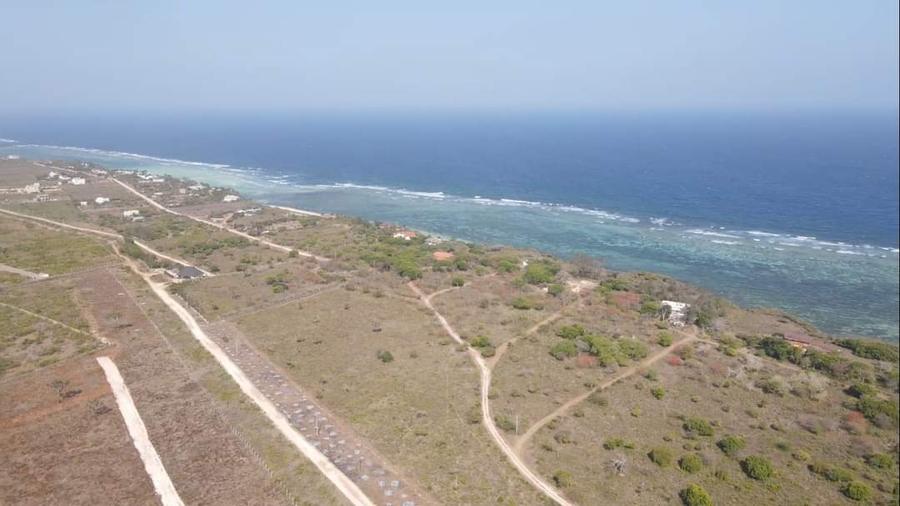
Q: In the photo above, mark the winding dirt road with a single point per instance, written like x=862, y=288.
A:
x=486, y=418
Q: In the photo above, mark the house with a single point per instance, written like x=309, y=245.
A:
x=677, y=311
x=406, y=235
x=101, y=200
x=83, y=203
x=443, y=256
x=131, y=213
x=78, y=181
x=183, y=272
x=32, y=188
x=230, y=198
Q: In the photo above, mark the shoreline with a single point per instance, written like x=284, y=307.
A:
x=686, y=254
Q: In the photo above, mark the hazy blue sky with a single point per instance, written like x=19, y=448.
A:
x=198, y=54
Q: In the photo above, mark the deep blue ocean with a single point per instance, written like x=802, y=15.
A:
x=791, y=210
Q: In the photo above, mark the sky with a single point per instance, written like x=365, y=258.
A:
x=170, y=55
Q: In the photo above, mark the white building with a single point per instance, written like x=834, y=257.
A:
x=130, y=213
x=78, y=180
x=32, y=188
x=677, y=311
x=101, y=200
x=230, y=198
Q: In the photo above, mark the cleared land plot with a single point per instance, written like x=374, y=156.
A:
x=204, y=457
x=63, y=442
x=419, y=408
x=18, y=173
x=41, y=324
x=37, y=248
x=247, y=291
x=791, y=430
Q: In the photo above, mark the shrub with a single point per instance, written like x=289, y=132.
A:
x=507, y=265
x=563, y=479
x=695, y=495
x=660, y=456
x=860, y=390
x=488, y=351
x=563, y=350
x=480, y=342
x=698, y=426
x=612, y=444
x=504, y=423
x=831, y=473
x=555, y=289
x=665, y=339
x=540, y=272
x=731, y=445
x=758, y=468
x=385, y=356
x=571, y=331
x=880, y=460
x=658, y=392
x=525, y=303
x=457, y=281
x=690, y=463
x=771, y=386
x=871, y=349
x=883, y=413
x=857, y=491
x=649, y=307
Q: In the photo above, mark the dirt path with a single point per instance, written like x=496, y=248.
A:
x=492, y=362
x=486, y=418
x=23, y=272
x=344, y=484
x=620, y=375
x=56, y=322
x=220, y=226
x=138, y=432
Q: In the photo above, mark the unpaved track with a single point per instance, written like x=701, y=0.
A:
x=245, y=235
x=622, y=374
x=346, y=486
x=338, y=478
x=138, y=432
x=22, y=272
x=486, y=418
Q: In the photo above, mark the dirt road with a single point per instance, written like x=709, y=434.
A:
x=486, y=418
x=622, y=374
x=138, y=432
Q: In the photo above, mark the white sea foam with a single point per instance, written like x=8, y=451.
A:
x=125, y=154
x=9, y=141
x=699, y=231
x=727, y=243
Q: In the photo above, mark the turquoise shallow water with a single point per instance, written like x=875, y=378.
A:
x=841, y=287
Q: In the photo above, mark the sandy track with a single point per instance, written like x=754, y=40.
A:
x=486, y=418
x=346, y=486
x=23, y=272
x=622, y=374
x=138, y=432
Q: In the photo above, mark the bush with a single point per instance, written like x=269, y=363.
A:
x=563, y=350
x=540, y=272
x=665, y=339
x=857, y=491
x=504, y=423
x=698, y=426
x=758, y=468
x=488, y=351
x=658, y=392
x=480, y=342
x=573, y=331
x=457, y=281
x=831, y=473
x=385, y=356
x=618, y=442
x=731, y=445
x=660, y=456
x=555, y=289
x=875, y=350
x=695, y=495
x=525, y=303
x=649, y=307
x=563, y=479
x=690, y=463
x=771, y=386
x=507, y=265
x=883, y=413
x=860, y=390
x=880, y=460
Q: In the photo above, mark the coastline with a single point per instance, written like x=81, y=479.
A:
x=842, y=288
